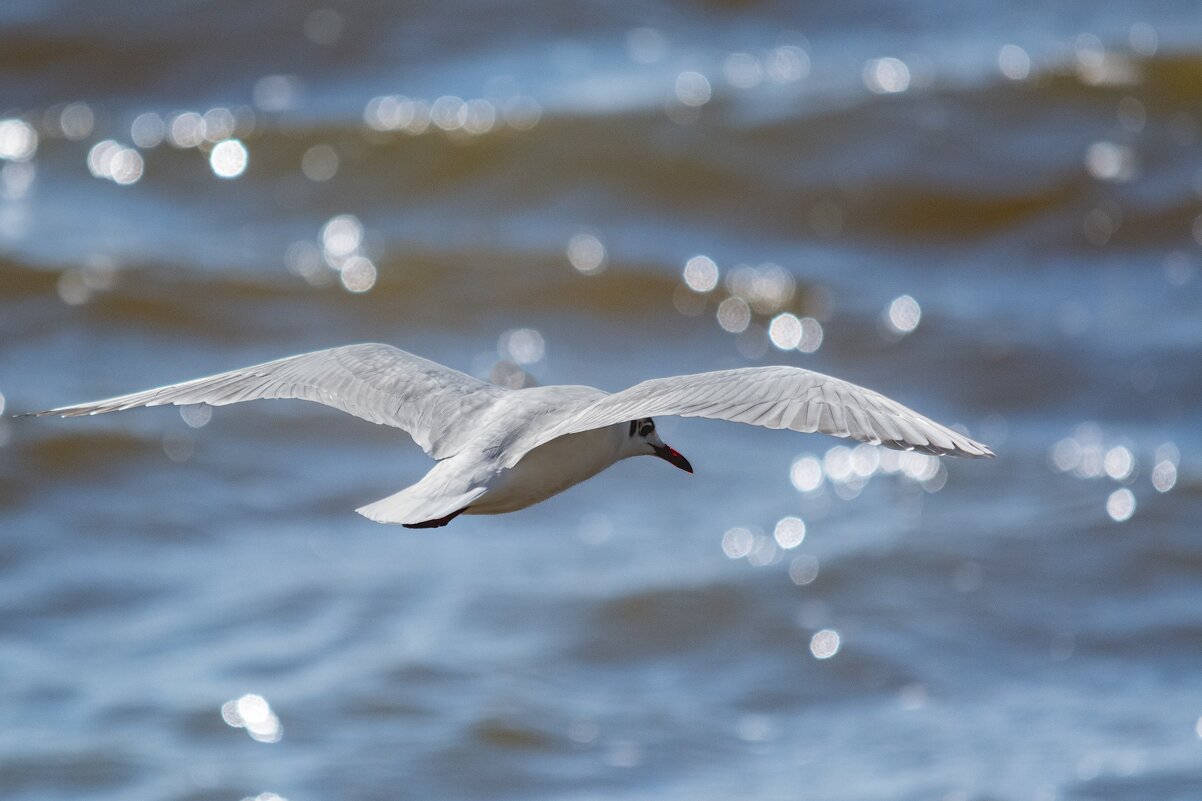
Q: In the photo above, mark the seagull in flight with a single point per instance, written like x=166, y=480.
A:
x=499, y=450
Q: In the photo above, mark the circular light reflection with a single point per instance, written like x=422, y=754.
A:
x=229, y=158
x=586, y=254
x=1121, y=505
x=1014, y=62
x=903, y=314
x=693, y=89
x=76, y=121
x=737, y=542
x=18, y=140
x=803, y=570
x=340, y=238
x=320, y=163
x=197, y=415
x=253, y=713
x=825, y=644
x=785, y=331
x=701, y=274
x=806, y=473
x=148, y=130
x=219, y=124
x=734, y=315
x=186, y=130
x=789, y=532
x=358, y=274
x=1108, y=161
x=886, y=75
x=522, y=345
x=1119, y=463
x=811, y=335
x=786, y=64
x=1164, y=475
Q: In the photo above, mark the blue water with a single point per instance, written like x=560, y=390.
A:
x=1022, y=628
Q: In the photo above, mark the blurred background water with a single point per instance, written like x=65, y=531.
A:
x=991, y=212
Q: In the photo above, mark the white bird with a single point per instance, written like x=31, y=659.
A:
x=500, y=450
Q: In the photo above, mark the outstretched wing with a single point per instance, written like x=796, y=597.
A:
x=775, y=397
x=380, y=383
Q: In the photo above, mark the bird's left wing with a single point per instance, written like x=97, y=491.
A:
x=380, y=383
x=774, y=397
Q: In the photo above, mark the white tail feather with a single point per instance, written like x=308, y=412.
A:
x=409, y=507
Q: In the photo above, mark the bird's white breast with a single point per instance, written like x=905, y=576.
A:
x=551, y=468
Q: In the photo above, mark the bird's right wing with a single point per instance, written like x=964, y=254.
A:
x=380, y=383
x=773, y=397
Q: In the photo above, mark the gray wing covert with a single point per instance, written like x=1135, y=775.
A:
x=434, y=404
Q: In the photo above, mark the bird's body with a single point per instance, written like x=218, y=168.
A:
x=502, y=450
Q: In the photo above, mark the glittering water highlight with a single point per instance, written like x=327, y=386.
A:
x=991, y=214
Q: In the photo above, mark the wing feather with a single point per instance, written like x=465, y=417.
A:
x=774, y=397
x=379, y=383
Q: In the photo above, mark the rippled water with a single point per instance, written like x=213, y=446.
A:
x=990, y=212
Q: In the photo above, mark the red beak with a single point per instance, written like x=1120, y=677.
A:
x=673, y=457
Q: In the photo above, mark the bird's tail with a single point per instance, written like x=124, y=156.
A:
x=408, y=507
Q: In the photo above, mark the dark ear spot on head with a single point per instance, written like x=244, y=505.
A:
x=633, y=425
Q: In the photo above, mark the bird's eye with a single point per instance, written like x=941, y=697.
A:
x=645, y=430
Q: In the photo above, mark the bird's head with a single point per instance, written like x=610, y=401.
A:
x=644, y=440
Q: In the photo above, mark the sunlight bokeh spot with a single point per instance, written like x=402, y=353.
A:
x=341, y=236
x=76, y=121
x=886, y=75
x=1120, y=505
x=320, y=163
x=479, y=116
x=701, y=274
x=1014, y=62
x=806, y=473
x=187, y=129
x=825, y=644
x=219, y=124
x=737, y=542
x=253, y=713
x=358, y=274
x=196, y=415
x=448, y=112
x=803, y=570
x=789, y=532
x=1119, y=463
x=786, y=64
x=903, y=315
x=1164, y=475
x=148, y=130
x=785, y=331
x=811, y=335
x=18, y=140
x=229, y=159
x=1109, y=161
x=587, y=254
x=693, y=89
x=522, y=345
x=734, y=315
